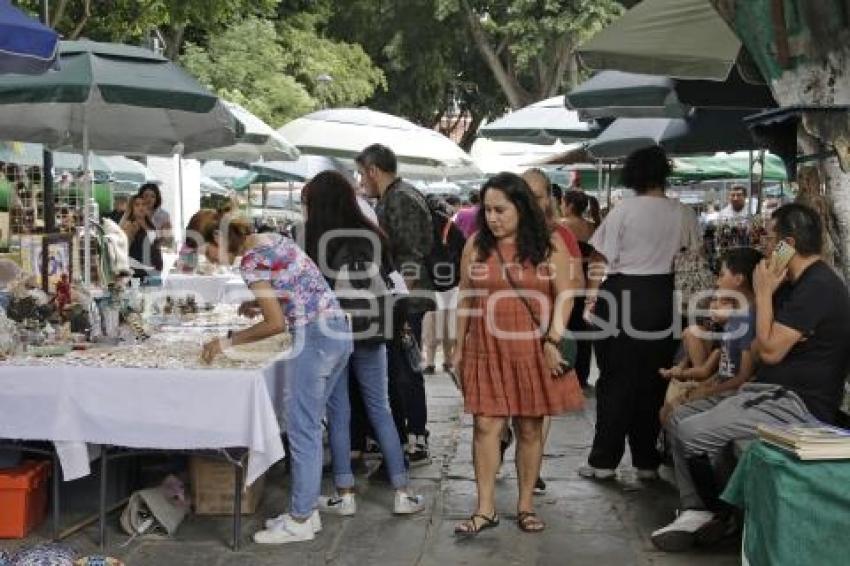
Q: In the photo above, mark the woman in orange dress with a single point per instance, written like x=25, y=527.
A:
x=514, y=302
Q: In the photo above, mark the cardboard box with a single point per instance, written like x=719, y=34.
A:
x=212, y=487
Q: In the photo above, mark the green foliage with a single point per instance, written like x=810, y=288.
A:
x=247, y=64
x=130, y=20
x=274, y=73
x=352, y=76
x=430, y=66
x=529, y=44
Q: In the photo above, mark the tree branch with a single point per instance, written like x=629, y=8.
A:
x=513, y=91
x=58, y=13
x=82, y=24
x=564, y=54
x=471, y=132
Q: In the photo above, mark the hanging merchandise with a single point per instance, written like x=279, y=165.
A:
x=725, y=235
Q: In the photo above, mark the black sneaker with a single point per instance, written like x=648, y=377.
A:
x=380, y=474
x=429, y=370
x=372, y=450
x=420, y=456
x=539, y=487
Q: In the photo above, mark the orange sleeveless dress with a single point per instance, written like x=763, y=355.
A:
x=503, y=369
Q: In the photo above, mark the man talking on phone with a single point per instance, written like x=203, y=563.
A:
x=802, y=333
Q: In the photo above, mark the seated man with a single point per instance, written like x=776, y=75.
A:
x=802, y=337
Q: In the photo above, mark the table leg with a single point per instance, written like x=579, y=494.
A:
x=237, y=504
x=102, y=511
x=57, y=479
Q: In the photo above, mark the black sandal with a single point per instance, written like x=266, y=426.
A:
x=529, y=522
x=471, y=528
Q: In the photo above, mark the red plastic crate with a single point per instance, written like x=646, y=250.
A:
x=23, y=498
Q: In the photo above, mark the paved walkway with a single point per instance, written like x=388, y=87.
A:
x=588, y=522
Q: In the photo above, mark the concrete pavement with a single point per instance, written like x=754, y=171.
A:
x=588, y=522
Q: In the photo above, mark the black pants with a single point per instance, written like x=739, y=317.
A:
x=630, y=391
x=584, y=348
x=411, y=363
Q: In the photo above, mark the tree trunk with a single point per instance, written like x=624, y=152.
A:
x=826, y=84
x=78, y=29
x=471, y=132
x=175, y=41
x=516, y=95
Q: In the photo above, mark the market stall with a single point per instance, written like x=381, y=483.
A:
x=136, y=381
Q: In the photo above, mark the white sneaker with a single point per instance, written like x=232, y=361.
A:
x=591, y=473
x=286, y=531
x=681, y=534
x=315, y=521
x=343, y=505
x=406, y=504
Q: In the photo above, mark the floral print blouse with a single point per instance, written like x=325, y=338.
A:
x=302, y=289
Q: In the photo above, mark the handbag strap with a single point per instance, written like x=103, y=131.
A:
x=521, y=296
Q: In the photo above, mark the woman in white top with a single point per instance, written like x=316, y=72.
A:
x=634, y=248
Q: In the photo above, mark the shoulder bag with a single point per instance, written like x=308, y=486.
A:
x=566, y=345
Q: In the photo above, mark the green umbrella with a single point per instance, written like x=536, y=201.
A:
x=113, y=98
x=614, y=94
x=685, y=39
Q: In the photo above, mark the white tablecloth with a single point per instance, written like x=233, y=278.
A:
x=143, y=408
x=208, y=288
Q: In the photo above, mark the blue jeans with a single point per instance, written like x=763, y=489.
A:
x=313, y=381
x=368, y=365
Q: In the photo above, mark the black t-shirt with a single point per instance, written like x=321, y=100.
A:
x=818, y=306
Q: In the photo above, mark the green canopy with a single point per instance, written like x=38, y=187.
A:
x=113, y=98
x=685, y=39
x=732, y=166
x=614, y=94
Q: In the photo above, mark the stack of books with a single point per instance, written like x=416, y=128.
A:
x=808, y=441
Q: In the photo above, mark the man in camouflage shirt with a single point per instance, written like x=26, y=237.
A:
x=404, y=216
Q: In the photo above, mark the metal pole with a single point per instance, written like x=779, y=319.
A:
x=86, y=207
x=752, y=182
x=47, y=156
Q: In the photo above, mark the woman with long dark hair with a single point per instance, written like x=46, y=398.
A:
x=145, y=256
x=515, y=273
x=575, y=206
x=351, y=249
x=634, y=248
x=152, y=197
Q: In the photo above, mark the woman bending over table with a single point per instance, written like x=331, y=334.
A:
x=290, y=293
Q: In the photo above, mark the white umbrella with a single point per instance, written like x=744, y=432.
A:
x=117, y=167
x=257, y=141
x=211, y=187
x=304, y=169
x=222, y=173
x=544, y=122
x=344, y=132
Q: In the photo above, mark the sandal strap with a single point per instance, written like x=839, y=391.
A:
x=471, y=526
x=529, y=521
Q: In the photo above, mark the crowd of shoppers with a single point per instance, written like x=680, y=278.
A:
x=540, y=272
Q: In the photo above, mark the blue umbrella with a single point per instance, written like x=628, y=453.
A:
x=26, y=46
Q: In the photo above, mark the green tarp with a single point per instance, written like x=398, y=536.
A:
x=734, y=166
x=685, y=39
x=796, y=513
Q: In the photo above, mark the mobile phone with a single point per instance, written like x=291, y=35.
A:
x=782, y=255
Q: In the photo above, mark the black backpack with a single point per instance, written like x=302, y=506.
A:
x=364, y=291
x=443, y=261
